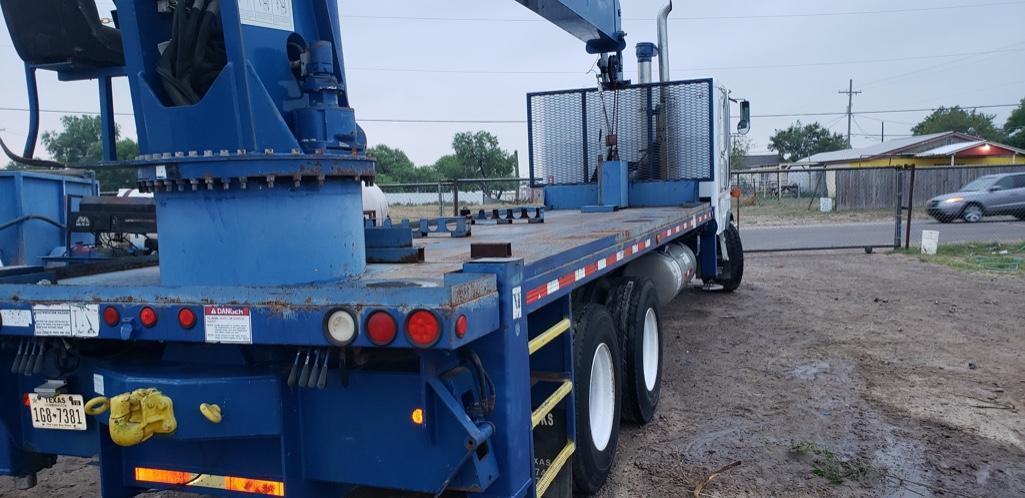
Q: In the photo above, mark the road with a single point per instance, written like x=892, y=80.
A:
x=855, y=234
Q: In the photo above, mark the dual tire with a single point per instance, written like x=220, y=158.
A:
x=618, y=352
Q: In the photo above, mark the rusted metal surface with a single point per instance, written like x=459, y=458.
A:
x=491, y=250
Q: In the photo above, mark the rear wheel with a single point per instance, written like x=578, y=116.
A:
x=634, y=306
x=731, y=272
x=597, y=386
x=972, y=213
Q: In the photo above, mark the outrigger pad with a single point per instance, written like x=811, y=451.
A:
x=52, y=32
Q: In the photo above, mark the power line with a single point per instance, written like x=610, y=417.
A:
x=522, y=121
x=698, y=18
x=706, y=68
x=942, y=64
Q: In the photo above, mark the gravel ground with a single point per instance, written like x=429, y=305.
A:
x=906, y=374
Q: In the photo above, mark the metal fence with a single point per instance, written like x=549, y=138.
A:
x=875, y=207
x=664, y=131
x=448, y=198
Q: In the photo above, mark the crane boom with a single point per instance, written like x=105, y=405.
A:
x=595, y=22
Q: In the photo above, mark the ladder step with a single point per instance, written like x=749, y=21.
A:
x=549, y=335
x=549, y=404
x=553, y=470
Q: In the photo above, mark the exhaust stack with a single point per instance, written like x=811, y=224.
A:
x=663, y=42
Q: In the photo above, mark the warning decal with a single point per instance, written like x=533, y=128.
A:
x=228, y=324
x=66, y=320
x=16, y=318
x=274, y=14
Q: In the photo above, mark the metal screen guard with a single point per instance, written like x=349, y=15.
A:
x=566, y=131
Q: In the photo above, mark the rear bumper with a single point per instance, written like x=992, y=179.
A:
x=357, y=431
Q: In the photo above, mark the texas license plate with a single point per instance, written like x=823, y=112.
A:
x=64, y=412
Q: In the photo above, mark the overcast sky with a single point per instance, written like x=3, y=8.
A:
x=476, y=60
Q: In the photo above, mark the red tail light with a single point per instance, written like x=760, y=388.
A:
x=148, y=316
x=187, y=318
x=381, y=328
x=423, y=328
x=111, y=316
x=462, y=325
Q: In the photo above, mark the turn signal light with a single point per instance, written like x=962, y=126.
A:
x=162, y=476
x=423, y=328
x=381, y=328
x=187, y=318
x=111, y=316
x=256, y=486
x=148, y=316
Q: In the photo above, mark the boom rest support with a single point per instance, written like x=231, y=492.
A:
x=64, y=33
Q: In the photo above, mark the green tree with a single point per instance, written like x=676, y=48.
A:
x=1015, y=126
x=394, y=166
x=480, y=156
x=957, y=119
x=81, y=142
x=800, y=141
x=739, y=148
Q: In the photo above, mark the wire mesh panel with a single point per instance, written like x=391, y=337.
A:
x=664, y=132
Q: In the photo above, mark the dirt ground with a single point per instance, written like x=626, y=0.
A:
x=908, y=371
x=911, y=376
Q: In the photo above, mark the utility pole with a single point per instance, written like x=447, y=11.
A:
x=883, y=125
x=850, y=107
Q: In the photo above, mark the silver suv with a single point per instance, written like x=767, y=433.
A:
x=990, y=195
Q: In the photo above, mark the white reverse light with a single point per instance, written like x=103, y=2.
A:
x=340, y=328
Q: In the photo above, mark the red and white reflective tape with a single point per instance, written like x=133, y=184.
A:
x=687, y=225
x=565, y=281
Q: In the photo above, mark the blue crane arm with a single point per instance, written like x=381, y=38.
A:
x=595, y=22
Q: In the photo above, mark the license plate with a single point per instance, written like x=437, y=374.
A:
x=65, y=412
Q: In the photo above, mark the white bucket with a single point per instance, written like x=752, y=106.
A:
x=930, y=241
x=826, y=204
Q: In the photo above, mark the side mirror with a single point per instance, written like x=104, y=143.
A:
x=995, y=188
x=744, y=125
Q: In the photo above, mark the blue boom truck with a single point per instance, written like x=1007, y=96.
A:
x=288, y=344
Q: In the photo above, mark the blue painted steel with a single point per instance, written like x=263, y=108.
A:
x=595, y=22
x=615, y=185
x=311, y=234
x=107, y=124
x=646, y=51
x=570, y=196
x=663, y=193
x=708, y=251
x=41, y=194
x=506, y=357
x=256, y=106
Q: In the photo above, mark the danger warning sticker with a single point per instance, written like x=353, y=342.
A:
x=66, y=320
x=228, y=324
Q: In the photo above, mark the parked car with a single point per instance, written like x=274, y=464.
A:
x=990, y=195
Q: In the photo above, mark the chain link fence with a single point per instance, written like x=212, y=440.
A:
x=806, y=208
x=414, y=201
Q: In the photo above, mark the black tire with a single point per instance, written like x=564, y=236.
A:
x=593, y=328
x=731, y=272
x=630, y=302
x=944, y=219
x=970, y=211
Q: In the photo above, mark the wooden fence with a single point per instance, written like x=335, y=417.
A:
x=877, y=188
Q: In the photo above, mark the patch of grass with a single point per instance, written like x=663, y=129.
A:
x=1007, y=258
x=826, y=464
x=769, y=211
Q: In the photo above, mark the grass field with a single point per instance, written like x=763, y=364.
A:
x=1007, y=258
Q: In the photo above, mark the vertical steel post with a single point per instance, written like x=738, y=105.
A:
x=911, y=206
x=107, y=124
x=455, y=197
x=899, y=185
x=441, y=202
x=584, y=133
